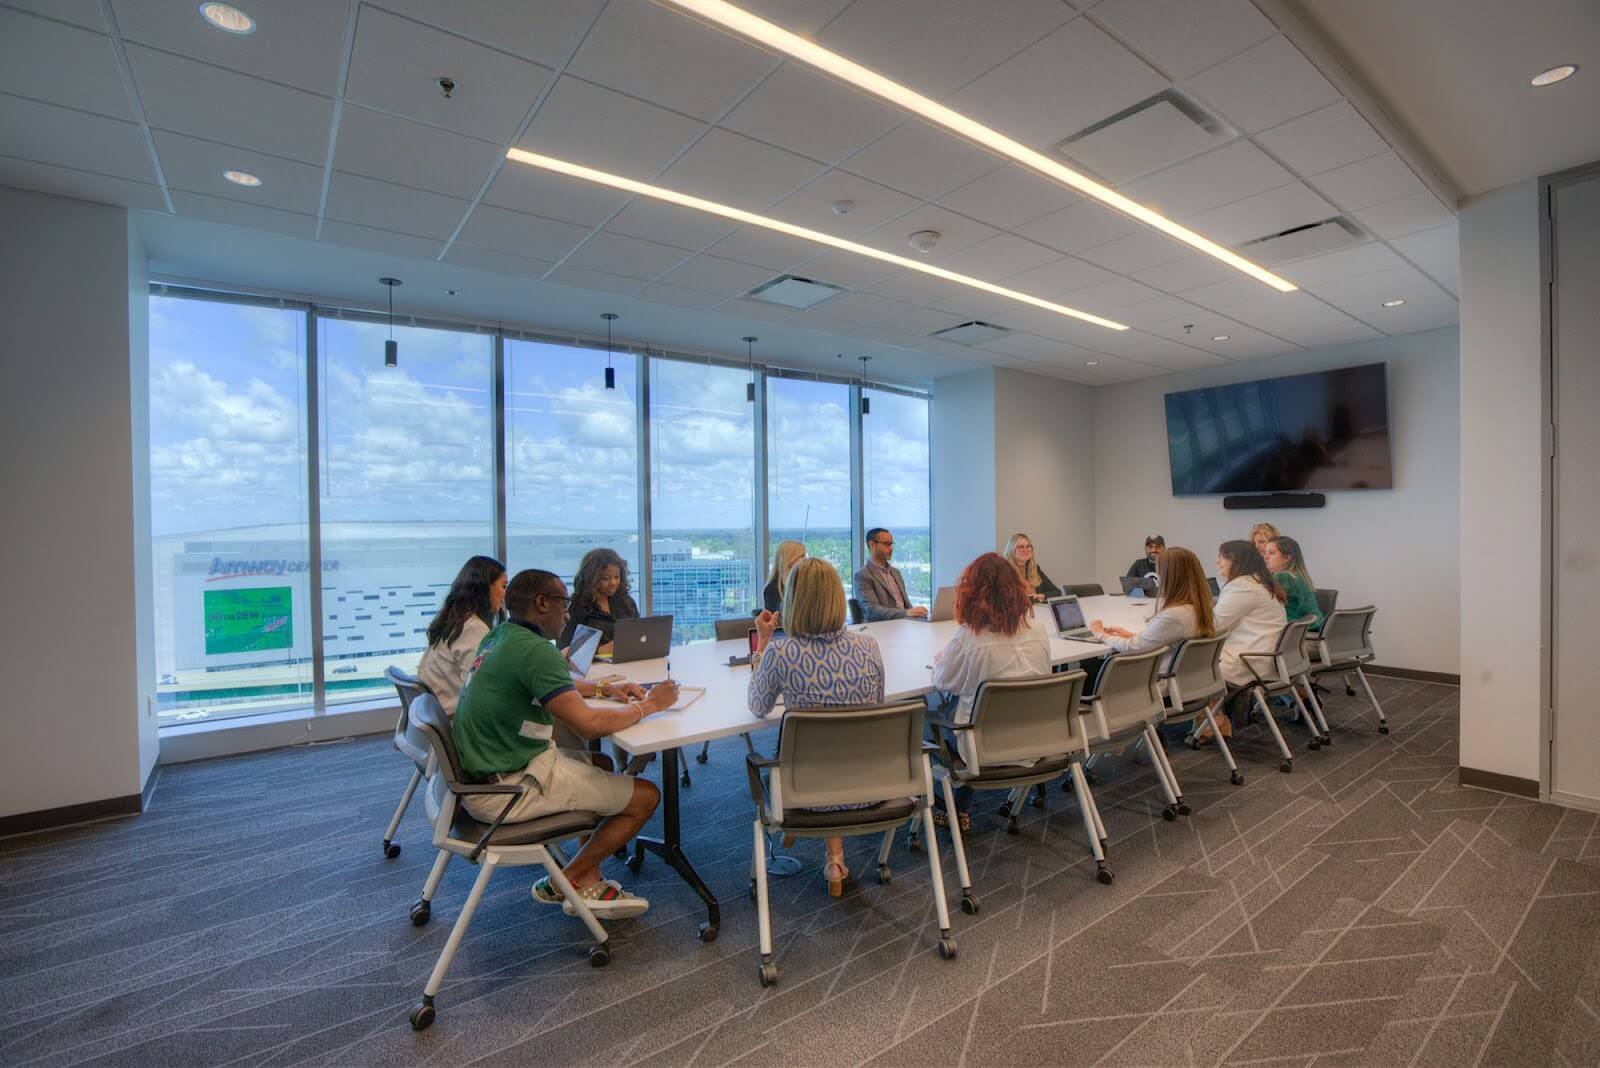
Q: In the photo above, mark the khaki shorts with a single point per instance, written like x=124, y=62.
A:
x=558, y=781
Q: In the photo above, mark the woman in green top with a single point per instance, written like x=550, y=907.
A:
x=1288, y=566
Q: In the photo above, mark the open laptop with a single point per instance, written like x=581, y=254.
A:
x=585, y=640
x=644, y=638
x=944, y=605
x=1146, y=585
x=1068, y=615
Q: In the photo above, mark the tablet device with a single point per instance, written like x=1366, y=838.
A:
x=585, y=640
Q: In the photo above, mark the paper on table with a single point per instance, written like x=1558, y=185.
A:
x=687, y=695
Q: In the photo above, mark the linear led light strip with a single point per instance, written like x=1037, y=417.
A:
x=711, y=207
x=781, y=40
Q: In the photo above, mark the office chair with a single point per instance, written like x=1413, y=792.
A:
x=857, y=615
x=1194, y=684
x=1085, y=589
x=1281, y=672
x=411, y=745
x=1344, y=647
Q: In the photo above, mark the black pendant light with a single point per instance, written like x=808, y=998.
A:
x=611, y=372
x=750, y=362
x=866, y=401
x=391, y=348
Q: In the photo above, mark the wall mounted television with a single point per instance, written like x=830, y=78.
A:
x=1313, y=432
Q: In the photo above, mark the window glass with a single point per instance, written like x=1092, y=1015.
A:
x=808, y=470
x=894, y=464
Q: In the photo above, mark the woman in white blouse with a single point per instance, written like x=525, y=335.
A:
x=1250, y=609
x=467, y=615
x=997, y=638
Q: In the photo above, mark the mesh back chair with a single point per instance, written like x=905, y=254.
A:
x=873, y=757
x=412, y=745
x=1344, y=647
x=493, y=845
x=1194, y=684
x=857, y=614
x=1327, y=601
x=1023, y=732
x=1281, y=673
x=1086, y=589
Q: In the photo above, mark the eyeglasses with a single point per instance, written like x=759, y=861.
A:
x=555, y=597
x=885, y=544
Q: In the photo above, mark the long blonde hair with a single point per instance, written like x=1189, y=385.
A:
x=783, y=558
x=813, y=599
x=1028, y=571
x=1183, y=582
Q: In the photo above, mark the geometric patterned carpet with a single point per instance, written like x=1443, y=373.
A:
x=1363, y=910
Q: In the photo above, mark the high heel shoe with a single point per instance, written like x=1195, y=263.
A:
x=837, y=873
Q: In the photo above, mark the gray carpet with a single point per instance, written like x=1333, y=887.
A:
x=1364, y=909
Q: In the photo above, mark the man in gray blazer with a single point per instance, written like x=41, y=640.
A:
x=879, y=586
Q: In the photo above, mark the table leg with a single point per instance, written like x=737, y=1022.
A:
x=669, y=847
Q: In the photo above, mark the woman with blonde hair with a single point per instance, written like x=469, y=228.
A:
x=1260, y=534
x=783, y=558
x=817, y=664
x=1019, y=550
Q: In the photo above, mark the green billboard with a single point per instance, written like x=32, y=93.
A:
x=249, y=621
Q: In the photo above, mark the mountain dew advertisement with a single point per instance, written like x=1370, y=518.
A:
x=248, y=621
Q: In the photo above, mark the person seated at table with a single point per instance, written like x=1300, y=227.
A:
x=1250, y=611
x=1019, y=550
x=818, y=664
x=600, y=597
x=505, y=721
x=1154, y=546
x=1260, y=534
x=783, y=558
x=996, y=638
x=470, y=609
x=879, y=587
x=1287, y=562
x=1184, y=611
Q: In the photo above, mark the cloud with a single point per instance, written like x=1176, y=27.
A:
x=253, y=411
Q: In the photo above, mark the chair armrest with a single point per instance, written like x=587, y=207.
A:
x=488, y=788
x=753, y=763
x=947, y=724
x=514, y=792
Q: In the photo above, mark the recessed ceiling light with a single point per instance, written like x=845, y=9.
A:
x=1395, y=303
x=711, y=207
x=242, y=178
x=1091, y=363
x=781, y=40
x=1220, y=337
x=227, y=18
x=1554, y=74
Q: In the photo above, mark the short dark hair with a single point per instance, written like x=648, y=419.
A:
x=1155, y=539
x=524, y=587
x=872, y=535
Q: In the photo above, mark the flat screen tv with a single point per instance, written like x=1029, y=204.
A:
x=1316, y=432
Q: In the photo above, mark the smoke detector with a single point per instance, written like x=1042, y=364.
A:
x=843, y=207
x=924, y=240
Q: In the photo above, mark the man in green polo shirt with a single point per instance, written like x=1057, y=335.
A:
x=504, y=731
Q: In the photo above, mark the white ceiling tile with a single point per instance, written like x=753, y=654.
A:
x=656, y=220
x=712, y=274
x=396, y=61
x=1298, y=317
x=197, y=166
x=1221, y=296
x=1325, y=139
x=812, y=206
x=81, y=185
x=1318, y=335
x=732, y=169
x=553, y=196
x=385, y=241
x=933, y=46
x=1149, y=139
x=1240, y=342
x=1108, y=297
x=806, y=112
x=956, y=232
x=1085, y=224
x=594, y=281
x=1363, y=296
x=1376, y=180
x=972, y=303
x=804, y=17
x=845, y=269
x=1151, y=351
x=753, y=244
x=862, y=308
x=626, y=256
x=1148, y=313
x=1147, y=248
x=378, y=145
x=1397, y=218
x=1223, y=175
x=1335, y=266
x=45, y=133
x=484, y=259
x=678, y=297
x=1191, y=271
x=1059, y=276
x=1427, y=310
x=1008, y=197
x=655, y=53
x=754, y=309
x=529, y=236
x=368, y=202
x=1271, y=212
x=193, y=98
x=600, y=128
x=921, y=160
x=237, y=213
x=998, y=257
x=60, y=64
x=914, y=287
x=85, y=13
x=1184, y=37
x=1069, y=80
x=1059, y=327
x=1436, y=248
x=295, y=42
x=1267, y=85
x=921, y=321
x=541, y=30
x=1041, y=349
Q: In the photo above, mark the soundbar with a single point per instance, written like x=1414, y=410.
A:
x=1239, y=501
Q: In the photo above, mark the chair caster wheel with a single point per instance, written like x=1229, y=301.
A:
x=1314, y=744
x=768, y=974
x=947, y=948
x=1183, y=808
x=1286, y=767
x=391, y=849
x=884, y=875
x=1090, y=777
x=701, y=757
x=1327, y=740
x=1236, y=779
x=1169, y=813
x=1066, y=785
x=1103, y=873
x=708, y=932
x=1349, y=691
x=1038, y=800
x=969, y=904
x=752, y=889
x=686, y=781
x=599, y=957
x=1383, y=729
x=914, y=844
x=421, y=913
x=636, y=862
x=422, y=1015
x=1011, y=826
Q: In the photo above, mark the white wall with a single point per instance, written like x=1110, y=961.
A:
x=1397, y=549
x=1502, y=463
x=69, y=649
x=961, y=432
x=1044, y=470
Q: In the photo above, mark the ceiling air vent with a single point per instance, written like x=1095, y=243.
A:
x=792, y=291
x=1149, y=135
x=973, y=333
x=1309, y=240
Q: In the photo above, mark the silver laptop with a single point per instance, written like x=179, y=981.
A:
x=944, y=605
x=585, y=640
x=1069, y=619
x=644, y=638
x=1146, y=585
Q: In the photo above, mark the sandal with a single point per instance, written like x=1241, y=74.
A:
x=837, y=873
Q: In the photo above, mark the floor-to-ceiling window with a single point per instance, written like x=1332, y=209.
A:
x=406, y=467
x=894, y=466
x=228, y=510
x=703, y=552
x=808, y=468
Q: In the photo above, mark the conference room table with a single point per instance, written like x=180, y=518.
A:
x=722, y=710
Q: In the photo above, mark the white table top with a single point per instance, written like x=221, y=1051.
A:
x=907, y=647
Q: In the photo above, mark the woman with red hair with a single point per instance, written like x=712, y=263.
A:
x=997, y=638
